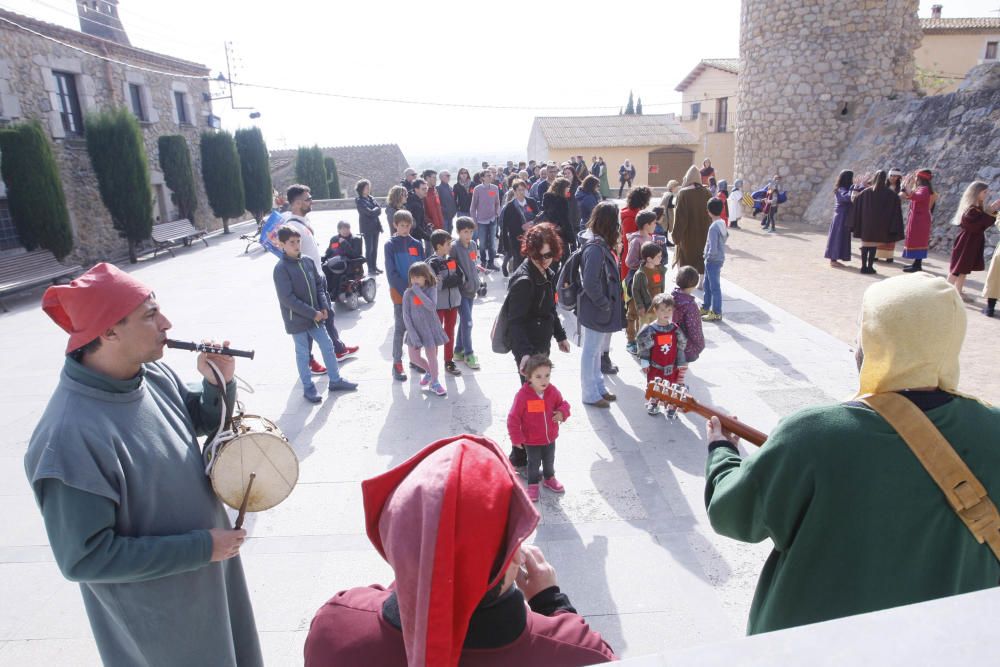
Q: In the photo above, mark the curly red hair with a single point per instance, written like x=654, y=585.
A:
x=536, y=238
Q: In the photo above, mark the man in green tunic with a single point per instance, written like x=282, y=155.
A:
x=117, y=471
x=857, y=523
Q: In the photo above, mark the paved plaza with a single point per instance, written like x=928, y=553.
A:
x=630, y=539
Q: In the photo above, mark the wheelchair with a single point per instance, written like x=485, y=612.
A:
x=348, y=283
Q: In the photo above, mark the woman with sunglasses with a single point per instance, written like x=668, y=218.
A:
x=463, y=192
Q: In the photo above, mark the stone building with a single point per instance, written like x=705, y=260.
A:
x=382, y=164
x=709, y=98
x=809, y=70
x=951, y=47
x=58, y=75
x=657, y=144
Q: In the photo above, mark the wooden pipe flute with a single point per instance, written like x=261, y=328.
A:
x=211, y=349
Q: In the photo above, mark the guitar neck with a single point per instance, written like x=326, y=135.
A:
x=735, y=426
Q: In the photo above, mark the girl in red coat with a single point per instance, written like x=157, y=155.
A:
x=533, y=423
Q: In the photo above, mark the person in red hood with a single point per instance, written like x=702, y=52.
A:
x=451, y=522
x=533, y=423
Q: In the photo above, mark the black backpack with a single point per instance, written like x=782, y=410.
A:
x=570, y=282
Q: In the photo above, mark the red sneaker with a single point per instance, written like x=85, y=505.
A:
x=348, y=353
x=553, y=485
x=533, y=493
x=316, y=367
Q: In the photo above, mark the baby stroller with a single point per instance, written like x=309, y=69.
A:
x=346, y=281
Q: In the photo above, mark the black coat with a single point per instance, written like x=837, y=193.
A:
x=415, y=205
x=557, y=212
x=463, y=197
x=368, y=214
x=531, y=311
x=877, y=216
x=511, y=220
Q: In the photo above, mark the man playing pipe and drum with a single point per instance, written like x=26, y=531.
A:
x=118, y=474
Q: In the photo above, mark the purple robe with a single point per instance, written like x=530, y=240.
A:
x=838, y=244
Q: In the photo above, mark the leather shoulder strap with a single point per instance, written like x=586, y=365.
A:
x=964, y=492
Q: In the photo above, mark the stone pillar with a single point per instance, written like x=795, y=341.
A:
x=808, y=70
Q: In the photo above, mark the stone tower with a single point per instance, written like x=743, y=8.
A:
x=100, y=19
x=809, y=68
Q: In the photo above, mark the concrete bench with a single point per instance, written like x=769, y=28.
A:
x=168, y=234
x=30, y=269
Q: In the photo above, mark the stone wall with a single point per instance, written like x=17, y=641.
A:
x=809, y=69
x=956, y=135
x=27, y=62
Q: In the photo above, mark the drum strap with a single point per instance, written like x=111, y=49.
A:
x=225, y=432
x=964, y=492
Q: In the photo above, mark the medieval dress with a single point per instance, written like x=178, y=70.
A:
x=918, y=224
x=691, y=221
x=967, y=255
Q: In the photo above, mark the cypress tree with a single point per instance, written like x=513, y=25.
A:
x=175, y=161
x=220, y=169
x=310, y=170
x=34, y=190
x=255, y=166
x=331, y=174
x=630, y=107
x=118, y=156
x=638, y=107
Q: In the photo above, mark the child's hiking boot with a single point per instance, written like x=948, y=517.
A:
x=452, y=368
x=438, y=389
x=425, y=379
x=533, y=493
x=632, y=348
x=653, y=408
x=397, y=372
x=711, y=317
x=472, y=362
x=458, y=356
x=703, y=311
x=672, y=412
x=607, y=366
x=316, y=367
x=553, y=485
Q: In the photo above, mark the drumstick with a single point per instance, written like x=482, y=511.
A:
x=246, y=499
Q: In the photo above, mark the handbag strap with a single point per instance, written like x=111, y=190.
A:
x=964, y=492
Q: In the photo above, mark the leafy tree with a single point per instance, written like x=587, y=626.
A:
x=638, y=107
x=220, y=169
x=310, y=170
x=630, y=107
x=34, y=191
x=256, y=167
x=118, y=156
x=331, y=174
x=175, y=160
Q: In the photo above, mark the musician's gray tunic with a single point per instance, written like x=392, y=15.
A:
x=116, y=470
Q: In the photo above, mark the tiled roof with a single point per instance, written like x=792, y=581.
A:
x=970, y=24
x=382, y=164
x=611, y=131
x=731, y=65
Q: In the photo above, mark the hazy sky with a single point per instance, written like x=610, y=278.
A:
x=584, y=55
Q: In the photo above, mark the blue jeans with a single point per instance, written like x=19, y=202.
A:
x=713, y=288
x=591, y=378
x=463, y=339
x=486, y=233
x=303, y=341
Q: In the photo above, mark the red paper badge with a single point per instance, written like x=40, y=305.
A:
x=537, y=405
x=417, y=301
x=529, y=209
x=555, y=295
x=334, y=246
x=493, y=193
x=472, y=255
x=452, y=265
x=414, y=252
x=657, y=278
x=664, y=339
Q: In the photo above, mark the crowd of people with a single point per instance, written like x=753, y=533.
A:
x=116, y=470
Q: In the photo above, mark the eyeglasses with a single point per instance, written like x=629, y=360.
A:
x=548, y=255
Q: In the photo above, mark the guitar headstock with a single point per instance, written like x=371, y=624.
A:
x=669, y=392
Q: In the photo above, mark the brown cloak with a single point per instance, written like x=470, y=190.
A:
x=691, y=222
x=877, y=216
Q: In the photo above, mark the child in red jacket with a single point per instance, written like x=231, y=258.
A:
x=533, y=423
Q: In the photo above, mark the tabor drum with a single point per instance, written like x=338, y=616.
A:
x=258, y=447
